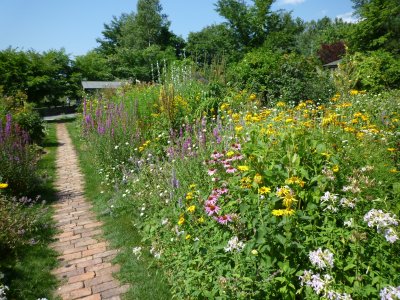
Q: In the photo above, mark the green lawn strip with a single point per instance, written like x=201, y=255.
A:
x=29, y=275
x=146, y=279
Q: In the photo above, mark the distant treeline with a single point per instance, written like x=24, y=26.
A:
x=252, y=43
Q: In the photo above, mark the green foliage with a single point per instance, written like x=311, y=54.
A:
x=372, y=71
x=14, y=71
x=378, y=27
x=32, y=123
x=211, y=42
x=254, y=25
x=146, y=27
x=25, y=232
x=289, y=77
x=322, y=31
x=92, y=66
x=300, y=179
x=111, y=35
x=18, y=157
x=43, y=77
x=24, y=115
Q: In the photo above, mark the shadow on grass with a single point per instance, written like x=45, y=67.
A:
x=61, y=120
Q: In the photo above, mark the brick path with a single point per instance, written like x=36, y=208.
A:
x=85, y=267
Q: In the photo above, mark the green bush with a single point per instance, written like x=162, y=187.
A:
x=288, y=77
x=18, y=158
x=372, y=71
x=18, y=224
x=23, y=113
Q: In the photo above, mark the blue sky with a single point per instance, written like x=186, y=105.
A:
x=42, y=25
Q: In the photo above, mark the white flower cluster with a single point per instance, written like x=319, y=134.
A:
x=351, y=203
x=320, y=285
x=234, y=244
x=155, y=253
x=383, y=222
x=321, y=258
x=390, y=293
x=3, y=290
x=137, y=251
x=330, y=200
x=328, y=173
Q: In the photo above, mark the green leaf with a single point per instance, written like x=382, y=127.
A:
x=349, y=266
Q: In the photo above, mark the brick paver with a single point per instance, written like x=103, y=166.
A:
x=85, y=269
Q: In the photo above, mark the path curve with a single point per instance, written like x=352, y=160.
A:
x=85, y=267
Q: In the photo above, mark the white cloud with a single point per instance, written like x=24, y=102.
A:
x=348, y=17
x=290, y=2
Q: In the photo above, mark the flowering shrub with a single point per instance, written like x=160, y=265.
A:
x=19, y=221
x=269, y=203
x=18, y=158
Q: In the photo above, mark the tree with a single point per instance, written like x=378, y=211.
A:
x=283, y=32
x=111, y=35
x=331, y=52
x=238, y=16
x=379, y=26
x=321, y=32
x=149, y=26
x=14, y=71
x=211, y=42
x=92, y=66
x=49, y=75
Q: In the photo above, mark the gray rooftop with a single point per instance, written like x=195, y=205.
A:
x=101, y=84
x=333, y=64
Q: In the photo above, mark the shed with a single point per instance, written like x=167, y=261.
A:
x=94, y=85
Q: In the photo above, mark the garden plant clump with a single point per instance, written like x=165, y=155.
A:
x=252, y=202
x=25, y=226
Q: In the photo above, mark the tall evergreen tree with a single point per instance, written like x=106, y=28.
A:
x=379, y=26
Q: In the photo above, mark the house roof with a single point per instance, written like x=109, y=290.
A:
x=333, y=64
x=101, y=84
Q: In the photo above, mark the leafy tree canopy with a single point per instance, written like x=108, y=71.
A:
x=379, y=26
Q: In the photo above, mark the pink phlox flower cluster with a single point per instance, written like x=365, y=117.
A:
x=390, y=293
x=234, y=245
x=321, y=258
x=383, y=222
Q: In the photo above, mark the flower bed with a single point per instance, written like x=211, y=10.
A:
x=261, y=203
